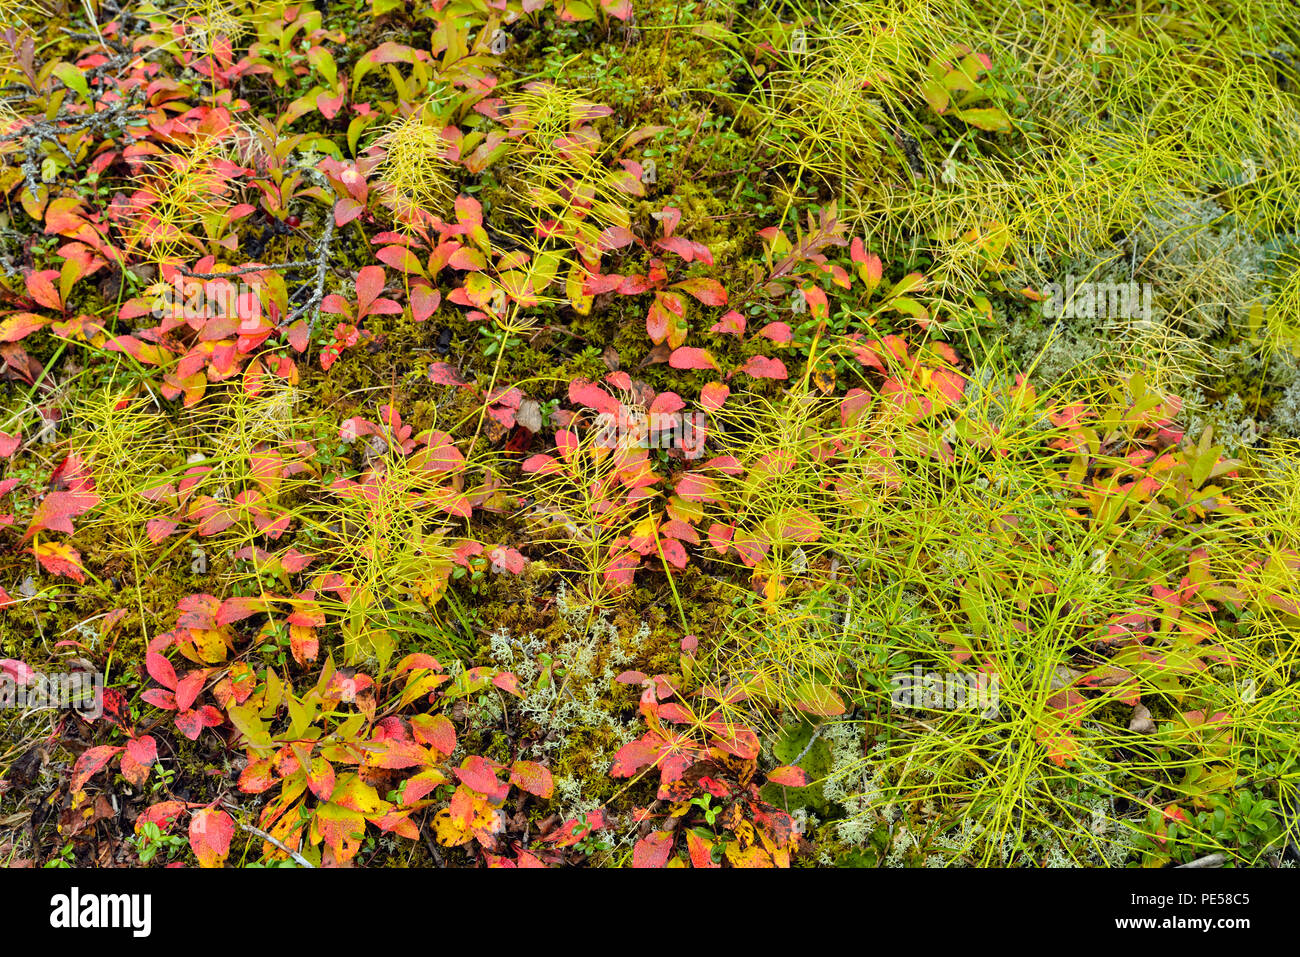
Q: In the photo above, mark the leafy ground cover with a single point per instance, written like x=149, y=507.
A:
x=527, y=433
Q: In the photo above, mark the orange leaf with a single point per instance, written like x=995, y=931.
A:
x=60, y=559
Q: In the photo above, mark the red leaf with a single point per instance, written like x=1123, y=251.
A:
x=160, y=528
x=63, y=215
x=162, y=814
x=320, y=778
x=210, y=833
x=949, y=383
x=160, y=698
x=575, y=829
x=665, y=320
x=297, y=335
x=257, y=777
x=237, y=609
x=19, y=671
x=734, y=738
x=761, y=367
x=815, y=296
x=673, y=551
x=566, y=441
x=467, y=259
x=699, y=851
x=666, y=403
x=632, y=757
x=669, y=217
x=189, y=687
x=57, y=510
x=347, y=210
x=192, y=723
x=370, y=283
x=394, y=753
x=619, y=571
x=41, y=288
x=329, y=106
x=140, y=755
x=20, y=325
x=91, y=762
x=778, y=332
x=336, y=305
x=616, y=237
x=713, y=395
x=303, y=643
x=446, y=374
x=582, y=392
x=653, y=850
x=532, y=777
x=869, y=266
x=438, y=455
x=59, y=558
x=401, y=259
x=160, y=669
x=731, y=323
x=477, y=773
x=708, y=291
x=720, y=537
x=435, y=730
x=790, y=776
x=686, y=249
x=675, y=713
x=508, y=682
x=800, y=525
x=688, y=357
x=424, y=300
x=541, y=464
x=506, y=559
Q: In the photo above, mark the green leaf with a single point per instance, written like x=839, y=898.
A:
x=322, y=144
x=935, y=95
x=274, y=694
x=812, y=697
x=73, y=79
x=987, y=118
x=245, y=718
x=322, y=61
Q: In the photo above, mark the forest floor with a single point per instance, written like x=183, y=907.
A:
x=628, y=433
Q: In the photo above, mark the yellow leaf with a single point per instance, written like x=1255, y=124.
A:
x=210, y=644
x=754, y=856
x=448, y=831
x=576, y=292
x=342, y=829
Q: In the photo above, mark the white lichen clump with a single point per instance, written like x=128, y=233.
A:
x=567, y=707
